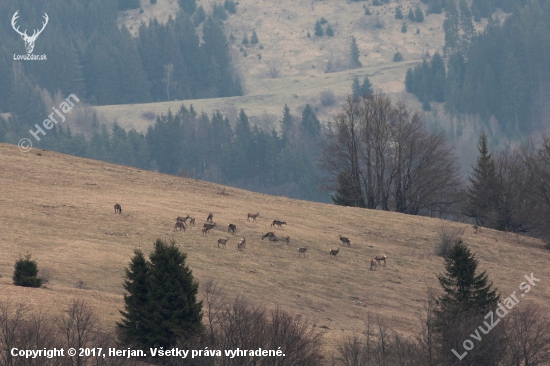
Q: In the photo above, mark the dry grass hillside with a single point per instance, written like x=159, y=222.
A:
x=60, y=209
x=282, y=28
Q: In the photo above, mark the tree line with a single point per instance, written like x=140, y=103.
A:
x=89, y=55
x=500, y=73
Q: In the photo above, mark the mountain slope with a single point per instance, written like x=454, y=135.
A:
x=60, y=209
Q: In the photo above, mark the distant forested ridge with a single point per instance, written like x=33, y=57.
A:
x=88, y=55
x=501, y=74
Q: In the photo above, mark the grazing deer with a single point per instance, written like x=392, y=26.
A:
x=118, y=208
x=183, y=219
x=222, y=242
x=231, y=228
x=210, y=217
x=278, y=223
x=241, y=244
x=334, y=252
x=287, y=239
x=269, y=235
x=253, y=216
x=179, y=225
x=345, y=240
x=207, y=227
x=380, y=258
x=372, y=264
x=302, y=250
x=191, y=221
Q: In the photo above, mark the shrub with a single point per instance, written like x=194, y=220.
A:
x=367, y=11
x=404, y=28
x=447, y=238
x=398, y=13
x=254, y=37
x=397, y=57
x=318, y=29
x=328, y=98
x=26, y=273
x=245, y=39
x=330, y=32
x=323, y=20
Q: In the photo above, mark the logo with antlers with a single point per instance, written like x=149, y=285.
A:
x=29, y=41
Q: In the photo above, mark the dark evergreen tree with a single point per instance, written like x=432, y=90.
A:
x=356, y=87
x=286, y=123
x=131, y=327
x=354, y=54
x=411, y=15
x=318, y=29
x=172, y=312
x=366, y=87
x=219, y=12
x=310, y=123
x=483, y=188
x=418, y=15
x=188, y=6
x=398, y=13
x=230, y=6
x=330, y=32
x=26, y=273
x=254, y=37
x=348, y=193
x=451, y=26
x=199, y=16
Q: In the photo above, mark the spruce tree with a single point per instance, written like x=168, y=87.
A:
x=398, y=13
x=310, y=123
x=356, y=87
x=318, y=29
x=348, y=193
x=286, y=123
x=254, y=37
x=483, y=188
x=418, y=15
x=131, y=328
x=354, y=54
x=26, y=273
x=411, y=15
x=330, y=32
x=366, y=87
x=188, y=6
x=172, y=312
x=465, y=291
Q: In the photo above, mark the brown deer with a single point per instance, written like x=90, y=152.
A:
x=118, y=208
x=334, y=252
x=380, y=258
x=179, y=225
x=287, y=239
x=191, y=221
x=183, y=219
x=269, y=235
x=278, y=223
x=207, y=227
x=241, y=244
x=222, y=242
x=231, y=228
x=253, y=216
x=345, y=240
x=302, y=250
x=210, y=217
x=372, y=264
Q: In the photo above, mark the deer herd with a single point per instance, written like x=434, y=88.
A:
x=231, y=228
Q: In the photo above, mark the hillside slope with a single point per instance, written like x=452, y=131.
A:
x=60, y=209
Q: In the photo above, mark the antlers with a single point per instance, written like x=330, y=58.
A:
x=29, y=41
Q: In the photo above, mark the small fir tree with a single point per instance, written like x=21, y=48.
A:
x=318, y=29
x=398, y=13
x=418, y=15
x=356, y=87
x=411, y=15
x=330, y=32
x=26, y=273
x=286, y=123
x=310, y=123
x=354, y=54
x=397, y=57
x=254, y=37
x=245, y=40
x=366, y=87
x=349, y=192
x=404, y=28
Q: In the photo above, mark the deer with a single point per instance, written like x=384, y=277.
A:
x=334, y=252
x=278, y=223
x=179, y=225
x=29, y=41
x=269, y=235
x=118, y=208
x=345, y=240
x=231, y=228
x=253, y=216
x=372, y=264
x=191, y=221
x=241, y=244
x=380, y=258
x=207, y=227
x=222, y=242
x=183, y=219
x=287, y=239
x=210, y=217
x=302, y=250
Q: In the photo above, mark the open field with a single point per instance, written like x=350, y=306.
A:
x=282, y=28
x=60, y=209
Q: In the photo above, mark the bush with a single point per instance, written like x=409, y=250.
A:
x=254, y=37
x=330, y=32
x=398, y=13
x=447, y=238
x=245, y=39
x=26, y=273
x=404, y=28
x=367, y=11
x=323, y=20
x=318, y=29
x=397, y=57
x=328, y=98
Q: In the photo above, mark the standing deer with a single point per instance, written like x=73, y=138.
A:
x=380, y=258
x=222, y=242
x=183, y=219
x=372, y=264
x=231, y=228
x=29, y=41
x=210, y=217
x=118, y=208
x=241, y=244
x=179, y=225
x=278, y=223
x=287, y=239
x=344, y=240
x=206, y=228
x=191, y=221
x=253, y=216
x=334, y=252
x=302, y=250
